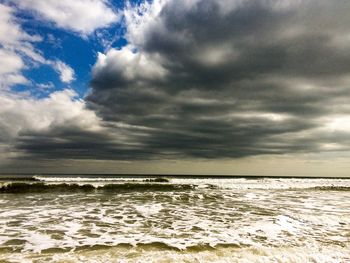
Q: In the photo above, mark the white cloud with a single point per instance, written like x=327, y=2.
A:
x=17, y=52
x=66, y=72
x=131, y=65
x=16, y=48
x=24, y=113
x=13, y=38
x=8, y=80
x=14, y=44
x=82, y=16
x=10, y=62
x=10, y=32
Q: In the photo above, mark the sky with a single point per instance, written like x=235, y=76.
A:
x=247, y=87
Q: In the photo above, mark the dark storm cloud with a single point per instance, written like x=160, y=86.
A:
x=217, y=80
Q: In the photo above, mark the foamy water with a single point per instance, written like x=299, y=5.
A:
x=183, y=220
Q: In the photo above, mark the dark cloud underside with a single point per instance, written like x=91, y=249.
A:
x=214, y=81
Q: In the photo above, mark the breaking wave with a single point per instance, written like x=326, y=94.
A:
x=39, y=184
x=17, y=187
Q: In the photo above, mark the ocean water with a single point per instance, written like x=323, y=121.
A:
x=141, y=219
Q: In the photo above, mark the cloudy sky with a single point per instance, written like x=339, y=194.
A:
x=175, y=86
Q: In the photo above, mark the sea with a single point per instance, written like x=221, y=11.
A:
x=115, y=218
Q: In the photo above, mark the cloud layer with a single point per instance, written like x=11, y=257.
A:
x=214, y=79
x=219, y=79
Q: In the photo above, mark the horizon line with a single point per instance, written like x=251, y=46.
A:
x=180, y=175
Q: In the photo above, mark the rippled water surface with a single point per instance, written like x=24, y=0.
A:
x=183, y=220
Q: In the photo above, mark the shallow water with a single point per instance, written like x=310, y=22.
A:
x=183, y=220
